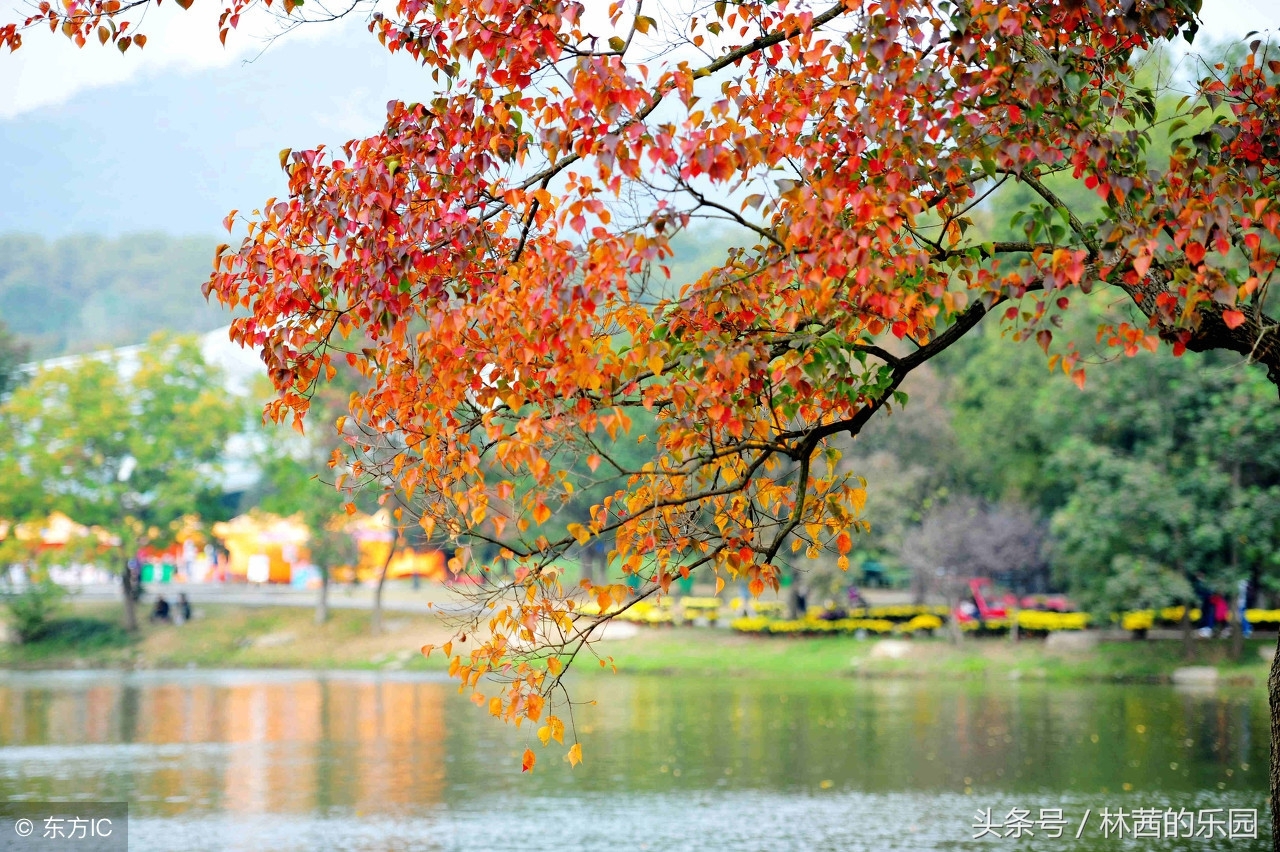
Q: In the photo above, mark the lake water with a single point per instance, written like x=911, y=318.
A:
x=377, y=762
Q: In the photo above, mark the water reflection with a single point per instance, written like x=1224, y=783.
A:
x=357, y=761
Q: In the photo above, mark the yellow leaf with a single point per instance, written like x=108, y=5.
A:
x=579, y=532
x=544, y=734
x=495, y=706
x=575, y=754
x=655, y=365
x=554, y=666
x=859, y=498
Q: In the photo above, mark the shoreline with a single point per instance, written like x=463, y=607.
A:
x=279, y=638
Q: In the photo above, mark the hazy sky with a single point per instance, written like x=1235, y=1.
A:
x=174, y=136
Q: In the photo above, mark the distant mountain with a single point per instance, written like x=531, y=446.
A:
x=82, y=293
x=177, y=151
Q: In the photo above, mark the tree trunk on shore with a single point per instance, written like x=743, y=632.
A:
x=1237, y=636
x=322, y=602
x=130, y=605
x=1273, y=694
x=953, y=619
x=1187, y=650
x=375, y=619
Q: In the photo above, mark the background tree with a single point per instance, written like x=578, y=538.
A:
x=13, y=352
x=128, y=447
x=83, y=292
x=962, y=539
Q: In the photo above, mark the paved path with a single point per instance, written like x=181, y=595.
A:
x=396, y=597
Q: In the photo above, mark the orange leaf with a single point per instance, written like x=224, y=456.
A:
x=530, y=759
x=1233, y=319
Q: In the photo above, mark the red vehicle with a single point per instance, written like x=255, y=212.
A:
x=986, y=602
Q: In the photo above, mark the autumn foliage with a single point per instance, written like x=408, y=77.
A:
x=493, y=262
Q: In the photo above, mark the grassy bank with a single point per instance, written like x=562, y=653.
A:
x=722, y=654
x=230, y=637
x=284, y=637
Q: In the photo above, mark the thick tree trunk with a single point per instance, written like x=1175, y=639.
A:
x=953, y=620
x=1273, y=691
x=375, y=619
x=1237, y=635
x=322, y=602
x=130, y=605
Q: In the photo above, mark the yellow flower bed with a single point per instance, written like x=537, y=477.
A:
x=691, y=608
x=647, y=612
x=1170, y=616
x=700, y=603
x=922, y=622
x=769, y=609
x=810, y=626
x=1029, y=620
x=990, y=625
x=1140, y=620
x=1038, y=620
x=1262, y=616
x=898, y=612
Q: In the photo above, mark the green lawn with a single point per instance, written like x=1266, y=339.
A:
x=283, y=637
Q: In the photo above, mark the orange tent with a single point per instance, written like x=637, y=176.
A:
x=374, y=537
x=264, y=548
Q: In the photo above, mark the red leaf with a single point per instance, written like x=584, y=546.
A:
x=1141, y=264
x=1233, y=319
